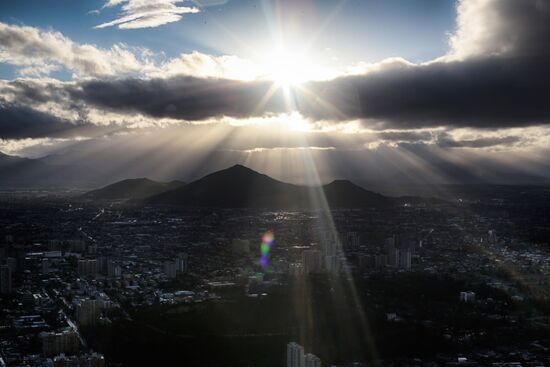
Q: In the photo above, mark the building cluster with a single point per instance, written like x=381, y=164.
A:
x=296, y=357
x=81, y=266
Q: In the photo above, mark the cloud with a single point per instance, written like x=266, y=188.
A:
x=500, y=27
x=38, y=52
x=207, y=66
x=496, y=75
x=446, y=141
x=206, y=3
x=146, y=13
x=17, y=122
x=488, y=92
x=185, y=98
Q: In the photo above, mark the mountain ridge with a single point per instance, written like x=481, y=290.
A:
x=133, y=189
x=241, y=187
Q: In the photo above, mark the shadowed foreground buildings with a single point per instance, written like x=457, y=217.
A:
x=417, y=282
x=296, y=357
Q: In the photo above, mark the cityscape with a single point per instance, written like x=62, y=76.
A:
x=88, y=281
x=275, y=183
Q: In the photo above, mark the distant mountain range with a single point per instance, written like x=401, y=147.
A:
x=17, y=171
x=133, y=189
x=241, y=187
x=93, y=167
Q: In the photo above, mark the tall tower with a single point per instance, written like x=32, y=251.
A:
x=294, y=355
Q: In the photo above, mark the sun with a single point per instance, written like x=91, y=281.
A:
x=288, y=67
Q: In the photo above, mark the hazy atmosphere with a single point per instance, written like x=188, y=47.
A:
x=425, y=91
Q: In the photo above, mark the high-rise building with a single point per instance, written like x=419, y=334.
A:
x=83, y=360
x=312, y=261
x=311, y=360
x=492, y=236
x=61, y=342
x=389, y=243
x=87, y=268
x=353, y=240
x=405, y=259
x=393, y=256
x=169, y=267
x=77, y=246
x=113, y=269
x=294, y=355
x=87, y=311
x=467, y=297
x=182, y=262
x=5, y=280
x=380, y=261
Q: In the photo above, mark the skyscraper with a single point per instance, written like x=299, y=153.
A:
x=311, y=360
x=295, y=355
x=312, y=261
x=87, y=267
x=5, y=279
x=181, y=262
x=353, y=240
x=393, y=258
x=405, y=259
x=87, y=311
x=170, y=269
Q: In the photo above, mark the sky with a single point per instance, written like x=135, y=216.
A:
x=423, y=91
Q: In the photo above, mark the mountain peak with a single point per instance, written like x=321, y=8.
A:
x=342, y=182
x=239, y=186
x=240, y=168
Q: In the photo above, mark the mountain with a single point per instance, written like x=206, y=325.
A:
x=349, y=195
x=28, y=172
x=241, y=187
x=133, y=189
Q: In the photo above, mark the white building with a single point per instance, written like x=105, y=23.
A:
x=182, y=262
x=294, y=355
x=467, y=297
x=311, y=360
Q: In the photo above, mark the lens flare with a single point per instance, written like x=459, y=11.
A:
x=267, y=241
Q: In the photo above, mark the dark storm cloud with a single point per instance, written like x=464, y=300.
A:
x=485, y=92
x=404, y=135
x=497, y=74
x=186, y=98
x=17, y=122
x=445, y=141
x=496, y=78
x=20, y=122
